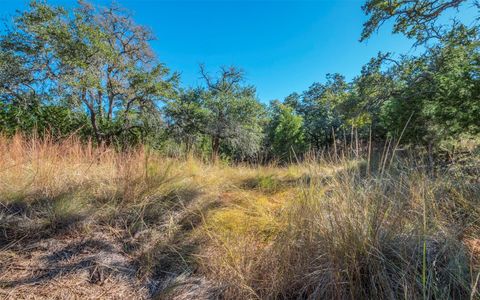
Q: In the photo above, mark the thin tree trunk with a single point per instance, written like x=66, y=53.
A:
x=110, y=95
x=93, y=117
x=215, y=148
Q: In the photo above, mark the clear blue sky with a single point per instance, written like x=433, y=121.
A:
x=283, y=46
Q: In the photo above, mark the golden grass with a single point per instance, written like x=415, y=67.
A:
x=316, y=230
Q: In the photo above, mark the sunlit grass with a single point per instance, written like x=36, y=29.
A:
x=320, y=229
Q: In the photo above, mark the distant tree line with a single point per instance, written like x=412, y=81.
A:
x=91, y=72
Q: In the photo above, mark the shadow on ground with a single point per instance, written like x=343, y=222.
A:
x=39, y=247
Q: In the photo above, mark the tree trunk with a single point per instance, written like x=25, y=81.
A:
x=110, y=95
x=93, y=120
x=215, y=148
x=93, y=116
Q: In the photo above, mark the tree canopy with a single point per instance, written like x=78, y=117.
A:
x=414, y=18
x=91, y=71
x=91, y=60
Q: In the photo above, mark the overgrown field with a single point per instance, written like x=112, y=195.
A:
x=85, y=222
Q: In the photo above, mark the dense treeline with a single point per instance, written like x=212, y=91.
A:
x=91, y=72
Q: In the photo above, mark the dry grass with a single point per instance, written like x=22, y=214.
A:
x=402, y=232
x=59, y=197
x=89, y=222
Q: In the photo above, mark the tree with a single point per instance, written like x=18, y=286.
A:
x=186, y=117
x=433, y=96
x=319, y=109
x=287, y=133
x=401, y=108
x=57, y=121
x=233, y=114
x=293, y=100
x=93, y=60
x=437, y=93
x=376, y=84
x=454, y=107
x=414, y=18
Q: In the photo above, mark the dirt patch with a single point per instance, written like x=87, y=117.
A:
x=93, y=266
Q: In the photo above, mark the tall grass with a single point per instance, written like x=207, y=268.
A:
x=47, y=186
x=404, y=232
x=332, y=227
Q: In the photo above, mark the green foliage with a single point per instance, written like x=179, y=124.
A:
x=287, y=133
x=319, y=108
x=233, y=114
x=455, y=105
x=93, y=60
x=415, y=19
x=186, y=117
x=225, y=111
x=439, y=90
x=53, y=120
x=91, y=71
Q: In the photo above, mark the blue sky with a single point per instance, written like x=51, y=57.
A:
x=283, y=46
